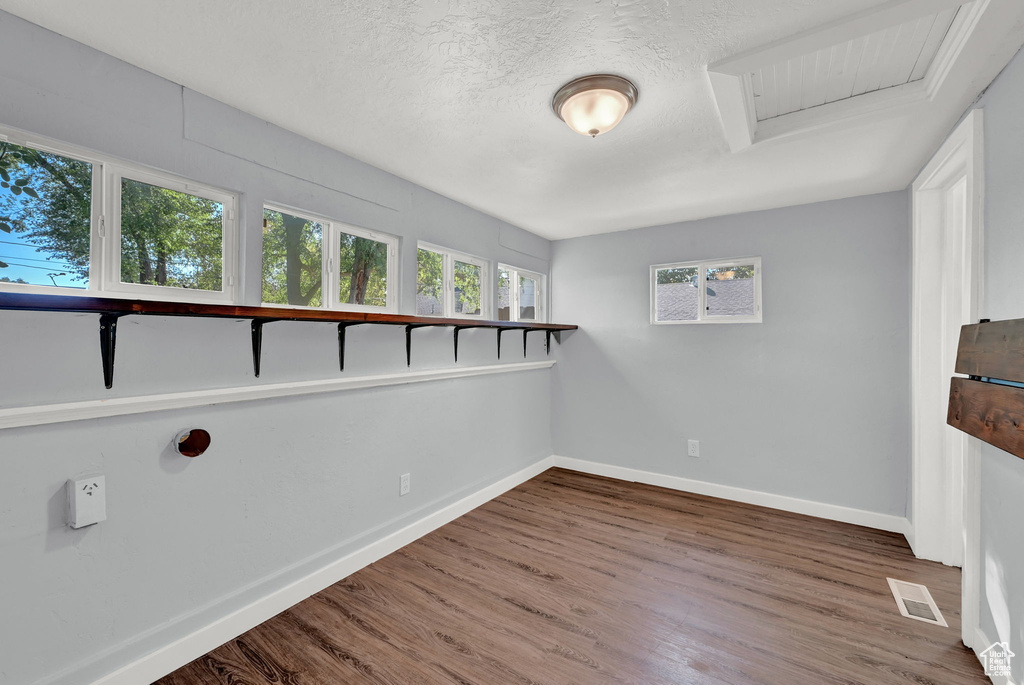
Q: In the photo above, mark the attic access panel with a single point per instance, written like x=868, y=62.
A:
x=895, y=54
x=887, y=58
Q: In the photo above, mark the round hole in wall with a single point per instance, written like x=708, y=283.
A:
x=192, y=442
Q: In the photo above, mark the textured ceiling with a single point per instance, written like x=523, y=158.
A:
x=455, y=97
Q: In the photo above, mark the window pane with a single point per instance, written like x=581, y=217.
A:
x=363, y=265
x=292, y=260
x=45, y=206
x=676, y=294
x=527, y=298
x=429, y=283
x=504, y=295
x=730, y=290
x=467, y=288
x=170, y=238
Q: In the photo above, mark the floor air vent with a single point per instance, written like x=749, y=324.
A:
x=914, y=601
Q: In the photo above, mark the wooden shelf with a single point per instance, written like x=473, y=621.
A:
x=114, y=305
x=110, y=309
x=989, y=403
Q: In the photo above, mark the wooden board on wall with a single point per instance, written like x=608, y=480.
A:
x=993, y=349
x=988, y=411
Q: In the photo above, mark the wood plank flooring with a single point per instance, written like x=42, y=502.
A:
x=577, y=579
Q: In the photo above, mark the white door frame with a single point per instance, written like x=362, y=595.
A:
x=948, y=203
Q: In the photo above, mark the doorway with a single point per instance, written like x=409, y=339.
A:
x=948, y=199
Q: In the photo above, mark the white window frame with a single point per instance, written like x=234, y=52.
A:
x=111, y=238
x=540, y=297
x=105, y=228
x=702, y=267
x=9, y=135
x=331, y=279
x=449, y=257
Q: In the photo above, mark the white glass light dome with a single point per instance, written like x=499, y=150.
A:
x=593, y=105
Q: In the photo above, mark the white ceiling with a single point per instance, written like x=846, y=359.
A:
x=455, y=96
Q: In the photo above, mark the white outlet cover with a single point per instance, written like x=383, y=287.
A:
x=403, y=484
x=693, y=448
x=87, y=501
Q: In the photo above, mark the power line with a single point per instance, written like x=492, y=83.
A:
x=11, y=242
x=30, y=259
x=28, y=266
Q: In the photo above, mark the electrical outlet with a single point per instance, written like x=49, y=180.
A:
x=403, y=484
x=693, y=448
x=87, y=501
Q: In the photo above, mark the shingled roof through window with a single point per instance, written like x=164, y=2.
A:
x=678, y=301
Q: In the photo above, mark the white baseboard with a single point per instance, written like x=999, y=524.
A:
x=909, y=535
x=176, y=654
x=860, y=517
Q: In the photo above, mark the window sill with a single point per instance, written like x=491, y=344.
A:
x=716, y=320
x=38, y=415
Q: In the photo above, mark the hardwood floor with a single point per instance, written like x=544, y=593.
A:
x=571, y=578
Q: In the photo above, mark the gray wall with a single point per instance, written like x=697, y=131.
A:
x=811, y=403
x=288, y=485
x=1002, y=474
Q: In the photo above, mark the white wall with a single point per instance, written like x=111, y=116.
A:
x=288, y=485
x=812, y=403
x=1002, y=474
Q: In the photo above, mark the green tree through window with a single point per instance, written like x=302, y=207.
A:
x=468, y=283
x=45, y=202
x=429, y=282
x=363, y=267
x=292, y=260
x=170, y=238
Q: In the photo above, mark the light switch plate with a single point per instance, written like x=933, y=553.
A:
x=87, y=501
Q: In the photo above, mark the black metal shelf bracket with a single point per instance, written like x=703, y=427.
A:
x=547, y=342
x=500, y=331
x=111, y=309
x=342, y=327
x=108, y=341
x=257, y=343
x=455, y=340
x=408, y=341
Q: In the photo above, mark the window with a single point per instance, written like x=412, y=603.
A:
x=313, y=262
x=520, y=294
x=165, y=238
x=363, y=263
x=168, y=234
x=721, y=291
x=293, y=259
x=450, y=283
x=46, y=218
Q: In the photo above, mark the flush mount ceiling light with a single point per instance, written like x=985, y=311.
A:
x=595, y=104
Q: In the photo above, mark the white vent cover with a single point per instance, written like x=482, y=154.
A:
x=914, y=601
